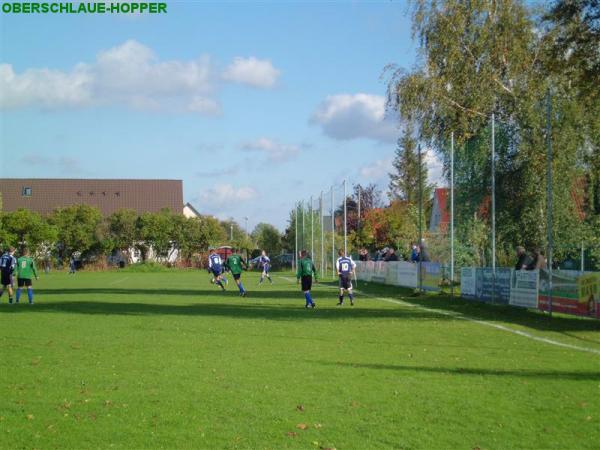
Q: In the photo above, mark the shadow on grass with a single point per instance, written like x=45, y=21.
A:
x=521, y=373
x=530, y=318
x=248, y=310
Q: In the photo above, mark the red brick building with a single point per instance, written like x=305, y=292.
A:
x=44, y=195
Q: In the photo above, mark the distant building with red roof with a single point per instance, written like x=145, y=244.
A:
x=440, y=215
x=440, y=211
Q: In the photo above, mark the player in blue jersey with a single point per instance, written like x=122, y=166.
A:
x=345, y=269
x=215, y=267
x=8, y=262
x=265, y=262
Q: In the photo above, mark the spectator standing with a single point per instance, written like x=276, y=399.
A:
x=538, y=261
x=391, y=255
x=72, y=265
x=523, y=259
x=363, y=255
x=414, y=254
x=423, y=253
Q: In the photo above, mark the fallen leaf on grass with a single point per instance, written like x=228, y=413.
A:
x=588, y=418
x=300, y=408
x=302, y=426
x=317, y=425
x=29, y=416
x=66, y=405
x=292, y=434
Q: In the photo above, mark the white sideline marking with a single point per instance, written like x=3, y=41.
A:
x=120, y=280
x=489, y=324
x=480, y=322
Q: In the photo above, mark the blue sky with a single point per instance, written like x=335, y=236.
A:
x=253, y=105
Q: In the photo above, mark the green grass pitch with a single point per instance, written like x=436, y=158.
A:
x=165, y=360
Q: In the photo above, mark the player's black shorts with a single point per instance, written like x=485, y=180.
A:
x=266, y=268
x=7, y=279
x=23, y=282
x=345, y=282
x=236, y=276
x=306, y=282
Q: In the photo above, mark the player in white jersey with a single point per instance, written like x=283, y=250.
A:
x=265, y=262
x=8, y=262
x=215, y=266
x=345, y=269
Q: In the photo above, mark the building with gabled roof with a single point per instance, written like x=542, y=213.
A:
x=44, y=195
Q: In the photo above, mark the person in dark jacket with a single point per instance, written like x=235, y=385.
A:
x=523, y=259
x=391, y=255
x=414, y=254
x=363, y=255
x=423, y=253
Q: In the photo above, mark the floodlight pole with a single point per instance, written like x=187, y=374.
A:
x=493, y=208
x=322, y=241
x=549, y=205
x=359, y=190
x=302, y=207
x=332, y=233
x=312, y=230
x=345, y=221
x=296, y=239
x=420, y=261
x=452, y=214
x=582, y=257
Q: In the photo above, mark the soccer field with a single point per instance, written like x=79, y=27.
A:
x=165, y=360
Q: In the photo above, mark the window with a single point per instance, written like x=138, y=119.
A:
x=26, y=192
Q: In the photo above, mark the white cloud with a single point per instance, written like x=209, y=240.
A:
x=377, y=170
x=352, y=116
x=435, y=168
x=255, y=72
x=132, y=75
x=274, y=150
x=224, y=194
x=44, y=87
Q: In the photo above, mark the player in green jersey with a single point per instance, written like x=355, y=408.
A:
x=236, y=264
x=25, y=272
x=305, y=272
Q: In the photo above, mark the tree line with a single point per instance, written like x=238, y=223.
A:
x=535, y=68
x=82, y=230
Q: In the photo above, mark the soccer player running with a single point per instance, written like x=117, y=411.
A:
x=305, y=272
x=236, y=265
x=345, y=269
x=8, y=262
x=25, y=270
x=215, y=266
x=265, y=261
